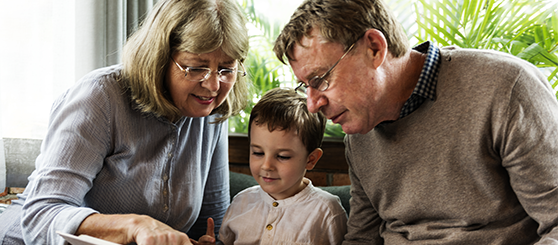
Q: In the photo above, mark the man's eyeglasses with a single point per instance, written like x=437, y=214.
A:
x=200, y=74
x=318, y=82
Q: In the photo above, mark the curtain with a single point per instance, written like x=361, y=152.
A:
x=45, y=47
x=2, y=160
x=124, y=17
x=103, y=32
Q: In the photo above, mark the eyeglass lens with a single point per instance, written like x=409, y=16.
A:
x=199, y=74
x=202, y=73
x=318, y=82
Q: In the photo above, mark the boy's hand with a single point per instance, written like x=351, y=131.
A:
x=209, y=237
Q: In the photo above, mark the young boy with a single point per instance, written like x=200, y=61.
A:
x=285, y=208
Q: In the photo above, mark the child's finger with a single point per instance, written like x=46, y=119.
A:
x=210, y=227
x=206, y=239
x=194, y=241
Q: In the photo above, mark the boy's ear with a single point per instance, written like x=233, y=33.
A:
x=313, y=158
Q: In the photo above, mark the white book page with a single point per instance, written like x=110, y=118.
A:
x=84, y=239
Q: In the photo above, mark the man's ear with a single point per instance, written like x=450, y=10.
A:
x=376, y=45
x=313, y=158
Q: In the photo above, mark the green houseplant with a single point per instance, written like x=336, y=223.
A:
x=265, y=71
x=525, y=28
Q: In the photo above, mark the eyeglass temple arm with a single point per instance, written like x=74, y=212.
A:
x=339, y=60
x=243, y=69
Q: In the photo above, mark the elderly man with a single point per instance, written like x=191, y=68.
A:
x=444, y=145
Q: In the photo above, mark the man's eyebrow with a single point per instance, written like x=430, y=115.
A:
x=315, y=73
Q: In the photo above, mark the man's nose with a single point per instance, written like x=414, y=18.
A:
x=315, y=100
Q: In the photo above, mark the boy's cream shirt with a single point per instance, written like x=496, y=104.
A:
x=312, y=216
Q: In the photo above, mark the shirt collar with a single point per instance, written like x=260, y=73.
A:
x=426, y=85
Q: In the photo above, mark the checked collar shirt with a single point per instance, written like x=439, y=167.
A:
x=426, y=85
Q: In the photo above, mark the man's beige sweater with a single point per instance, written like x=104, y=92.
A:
x=478, y=165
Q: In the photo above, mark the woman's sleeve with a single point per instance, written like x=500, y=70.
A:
x=72, y=154
x=216, y=197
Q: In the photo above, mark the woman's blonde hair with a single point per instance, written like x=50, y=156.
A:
x=194, y=26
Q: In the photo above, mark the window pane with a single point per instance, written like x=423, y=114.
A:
x=36, y=64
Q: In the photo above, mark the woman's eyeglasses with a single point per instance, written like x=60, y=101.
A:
x=200, y=74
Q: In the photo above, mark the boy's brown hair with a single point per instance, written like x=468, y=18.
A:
x=285, y=109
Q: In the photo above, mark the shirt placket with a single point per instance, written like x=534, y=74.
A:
x=271, y=224
x=166, y=171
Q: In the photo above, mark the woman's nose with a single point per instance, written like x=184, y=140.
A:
x=212, y=83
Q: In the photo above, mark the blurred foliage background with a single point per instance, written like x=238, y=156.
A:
x=527, y=29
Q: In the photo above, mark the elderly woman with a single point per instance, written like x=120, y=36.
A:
x=138, y=152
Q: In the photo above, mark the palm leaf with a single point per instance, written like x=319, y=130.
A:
x=261, y=65
x=525, y=28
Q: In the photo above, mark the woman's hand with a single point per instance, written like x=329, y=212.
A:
x=209, y=237
x=148, y=231
x=128, y=228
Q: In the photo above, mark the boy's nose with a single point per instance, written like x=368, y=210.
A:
x=267, y=165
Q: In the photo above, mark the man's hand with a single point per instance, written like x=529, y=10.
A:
x=209, y=237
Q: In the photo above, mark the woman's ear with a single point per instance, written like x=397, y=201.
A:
x=376, y=45
x=313, y=158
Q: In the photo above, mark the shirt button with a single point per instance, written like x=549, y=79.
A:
x=165, y=178
x=269, y=227
x=275, y=204
x=165, y=192
x=165, y=208
x=170, y=154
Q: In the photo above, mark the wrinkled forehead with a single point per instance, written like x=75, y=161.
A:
x=217, y=55
x=314, y=56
